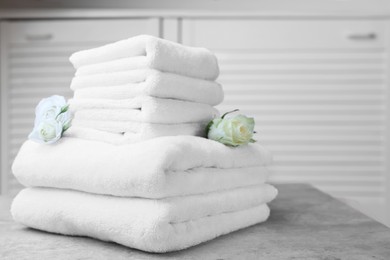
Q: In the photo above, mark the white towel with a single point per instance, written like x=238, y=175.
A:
x=142, y=109
x=156, y=168
x=149, y=225
x=143, y=130
x=149, y=52
x=124, y=85
x=127, y=137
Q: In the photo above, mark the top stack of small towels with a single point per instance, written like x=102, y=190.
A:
x=141, y=88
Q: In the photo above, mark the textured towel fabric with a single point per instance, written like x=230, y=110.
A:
x=156, y=168
x=146, y=51
x=142, y=109
x=130, y=131
x=129, y=84
x=145, y=129
x=149, y=225
x=114, y=138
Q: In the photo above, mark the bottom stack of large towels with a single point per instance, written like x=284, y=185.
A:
x=161, y=195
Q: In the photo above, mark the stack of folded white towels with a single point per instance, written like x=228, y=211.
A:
x=159, y=195
x=143, y=88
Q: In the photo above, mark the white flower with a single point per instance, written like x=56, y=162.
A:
x=232, y=131
x=52, y=118
x=47, y=131
x=50, y=108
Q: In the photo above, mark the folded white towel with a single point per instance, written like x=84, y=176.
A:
x=126, y=137
x=142, y=109
x=156, y=168
x=122, y=85
x=149, y=225
x=140, y=131
x=149, y=52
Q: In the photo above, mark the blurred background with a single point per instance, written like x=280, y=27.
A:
x=313, y=73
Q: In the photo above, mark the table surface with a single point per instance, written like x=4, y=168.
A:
x=304, y=224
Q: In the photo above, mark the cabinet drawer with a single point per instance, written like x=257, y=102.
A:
x=284, y=34
x=79, y=31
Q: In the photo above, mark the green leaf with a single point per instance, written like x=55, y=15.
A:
x=64, y=109
x=209, y=126
x=235, y=110
x=66, y=126
x=252, y=140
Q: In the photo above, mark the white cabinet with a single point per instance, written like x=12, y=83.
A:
x=35, y=65
x=318, y=90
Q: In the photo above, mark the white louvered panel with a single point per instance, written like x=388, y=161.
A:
x=318, y=118
x=38, y=66
x=319, y=98
x=324, y=124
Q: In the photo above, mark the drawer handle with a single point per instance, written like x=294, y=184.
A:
x=363, y=36
x=39, y=37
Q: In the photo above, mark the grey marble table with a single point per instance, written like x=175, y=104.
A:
x=304, y=224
